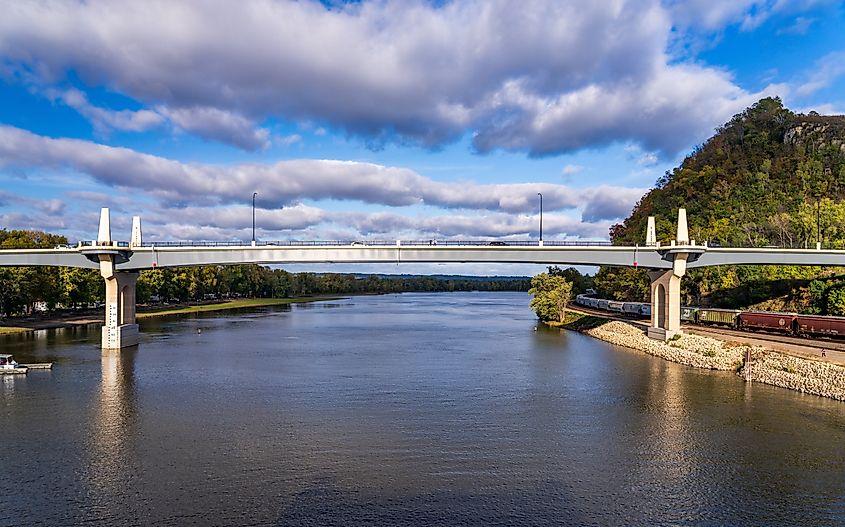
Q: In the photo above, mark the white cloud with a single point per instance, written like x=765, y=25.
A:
x=50, y=207
x=103, y=119
x=716, y=14
x=660, y=115
x=288, y=140
x=544, y=76
x=220, y=125
x=799, y=27
x=749, y=14
x=826, y=70
x=825, y=109
x=282, y=182
x=647, y=159
x=570, y=170
x=304, y=222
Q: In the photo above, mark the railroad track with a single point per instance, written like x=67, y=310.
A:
x=818, y=343
x=610, y=315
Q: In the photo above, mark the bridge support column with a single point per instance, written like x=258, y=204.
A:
x=666, y=285
x=120, y=329
x=665, y=305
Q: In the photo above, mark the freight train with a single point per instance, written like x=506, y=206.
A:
x=786, y=323
x=632, y=309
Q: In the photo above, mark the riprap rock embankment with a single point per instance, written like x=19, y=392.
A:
x=767, y=366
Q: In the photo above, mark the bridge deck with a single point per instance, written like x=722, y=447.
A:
x=175, y=254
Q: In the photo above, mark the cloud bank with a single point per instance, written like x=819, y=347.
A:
x=288, y=182
x=542, y=77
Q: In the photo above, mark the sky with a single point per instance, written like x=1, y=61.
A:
x=382, y=120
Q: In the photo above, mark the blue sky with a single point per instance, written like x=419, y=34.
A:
x=384, y=119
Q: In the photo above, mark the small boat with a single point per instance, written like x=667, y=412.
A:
x=9, y=366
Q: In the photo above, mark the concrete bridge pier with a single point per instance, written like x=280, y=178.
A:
x=666, y=285
x=665, y=305
x=119, y=329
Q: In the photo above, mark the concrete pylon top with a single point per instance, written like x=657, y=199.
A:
x=136, y=240
x=683, y=231
x=651, y=232
x=105, y=226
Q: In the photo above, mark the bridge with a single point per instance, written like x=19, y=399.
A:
x=119, y=263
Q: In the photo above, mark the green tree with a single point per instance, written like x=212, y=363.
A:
x=836, y=301
x=551, y=293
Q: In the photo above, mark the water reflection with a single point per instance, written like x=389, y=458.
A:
x=113, y=426
x=43, y=345
x=9, y=383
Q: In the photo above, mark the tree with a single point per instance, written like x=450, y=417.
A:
x=836, y=301
x=580, y=282
x=551, y=296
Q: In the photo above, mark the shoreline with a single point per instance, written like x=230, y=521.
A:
x=64, y=320
x=805, y=375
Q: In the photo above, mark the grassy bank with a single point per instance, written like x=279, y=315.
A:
x=8, y=330
x=578, y=321
x=231, y=304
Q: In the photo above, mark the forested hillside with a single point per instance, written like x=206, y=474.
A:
x=767, y=177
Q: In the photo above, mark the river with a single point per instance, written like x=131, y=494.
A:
x=412, y=409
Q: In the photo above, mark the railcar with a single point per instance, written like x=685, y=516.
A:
x=581, y=300
x=632, y=308
x=819, y=325
x=602, y=304
x=637, y=309
x=615, y=306
x=719, y=317
x=768, y=320
x=689, y=314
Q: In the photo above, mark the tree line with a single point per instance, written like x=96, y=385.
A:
x=24, y=288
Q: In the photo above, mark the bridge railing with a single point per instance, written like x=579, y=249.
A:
x=94, y=243
x=379, y=243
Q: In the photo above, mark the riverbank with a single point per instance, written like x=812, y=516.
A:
x=242, y=303
x=8, y=330
x=802, y=374
x=61, y=320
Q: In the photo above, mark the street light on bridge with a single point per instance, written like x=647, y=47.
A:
x=541, y=217
x=253, y=216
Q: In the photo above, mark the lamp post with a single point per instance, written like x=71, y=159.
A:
x=541, y=217
x=253, y=216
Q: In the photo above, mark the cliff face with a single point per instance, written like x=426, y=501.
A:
x=817, y=132
x=767, y=177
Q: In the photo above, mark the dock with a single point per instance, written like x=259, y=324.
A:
x=23, y=368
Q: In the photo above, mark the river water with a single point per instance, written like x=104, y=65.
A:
x=412, y=409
